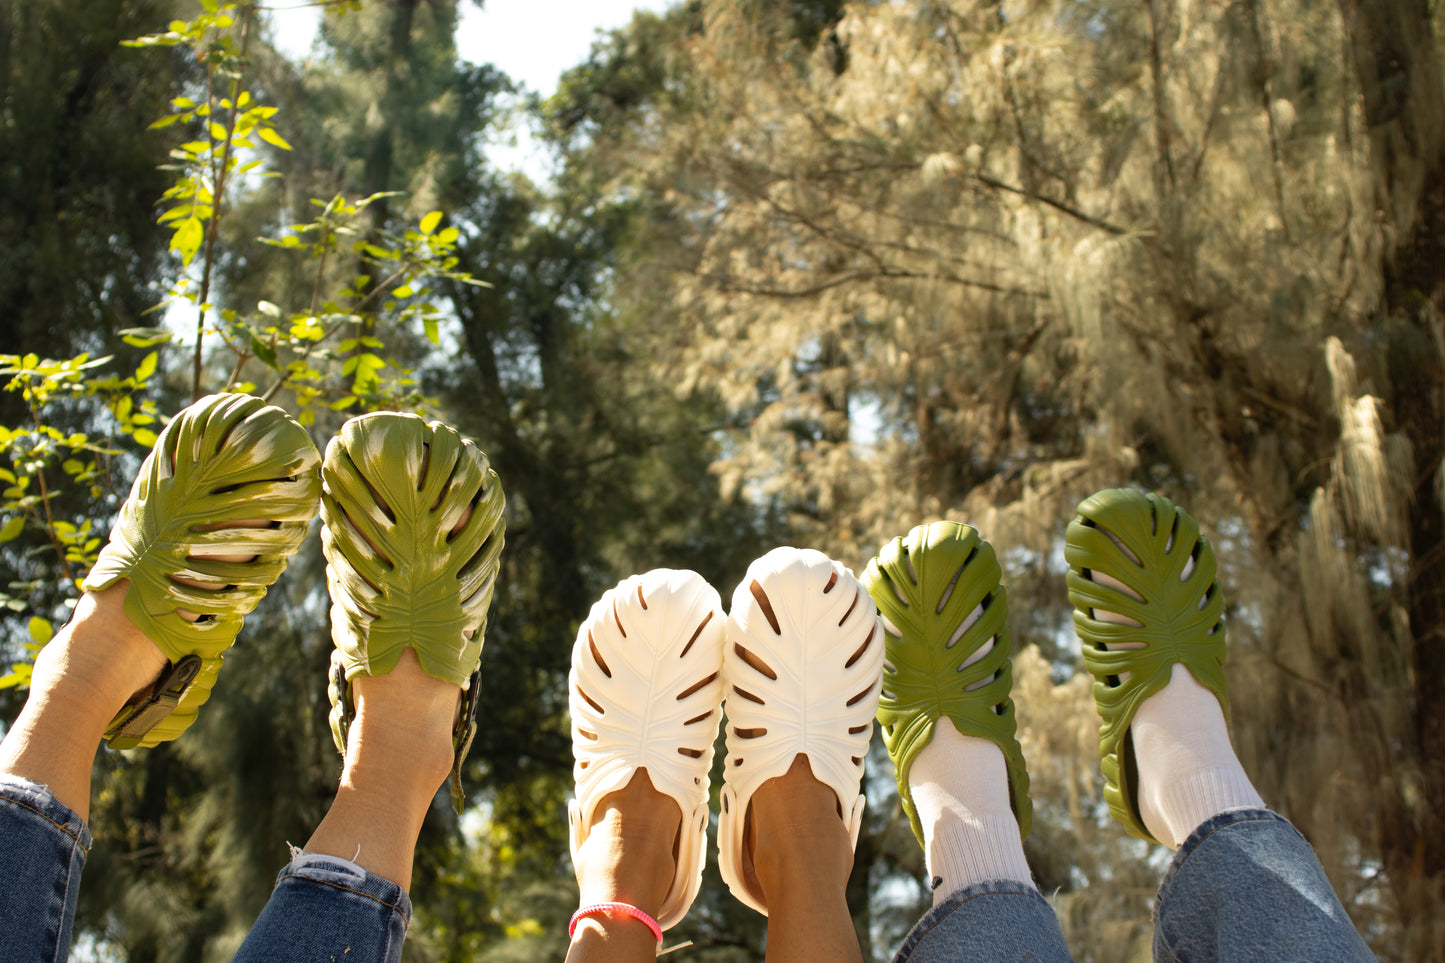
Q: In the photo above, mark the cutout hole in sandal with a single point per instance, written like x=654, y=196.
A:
x=1189, y=564
x=856, y=596
x=889, y=627
x=749, y=696
x=832, y=581
x=696, y=719
x=696, y=687
x=897, y=592
x=591, y=702
x=860, y=696
x=953, y=582
x=685, y=751
x=977, y=655
x=376, y=497
x=597, y=656
x=423, y=469
x=586, y=734
x=754, y=661
x=861, y=649
x=756, y=733
x=700, y=626
x=643, y=602
x=1090, y=523
x=967, y=623
x=767, y=606
x=617, y=617
x=478, y=557
x=1173, y=533
x=855, y=730
x=361, y=534
x=908, y=560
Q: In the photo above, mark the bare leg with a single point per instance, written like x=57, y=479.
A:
x=398, y=753
x=82, y=679
x=628, y=856
x=801, y=858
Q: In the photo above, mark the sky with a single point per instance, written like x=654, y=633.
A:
x=532, y=41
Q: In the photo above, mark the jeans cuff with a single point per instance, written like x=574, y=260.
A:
x=1211, y=826
x=343, y=874
x=956, y=899
x=41, y=804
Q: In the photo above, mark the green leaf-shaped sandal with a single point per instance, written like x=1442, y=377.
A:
x=1148, y=544
x=939, y=594
x=403, y=572
x=226, y=458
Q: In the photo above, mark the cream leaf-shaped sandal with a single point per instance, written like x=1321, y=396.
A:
x=801, y=673
x=645, y=690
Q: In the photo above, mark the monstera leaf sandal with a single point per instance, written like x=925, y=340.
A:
x=226, y=460
x=944, y=612
x=645, y=689
x=404, y=568
x=1171, y=599
x=800, y=672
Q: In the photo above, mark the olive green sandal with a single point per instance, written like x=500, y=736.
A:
x=939, y=594
x=226, y=458
x=402, y=574
x=1147, y=543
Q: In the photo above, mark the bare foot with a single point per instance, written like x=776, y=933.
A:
x=629, y=856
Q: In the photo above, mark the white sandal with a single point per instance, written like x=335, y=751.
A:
x=801, y=671
x=645, y=691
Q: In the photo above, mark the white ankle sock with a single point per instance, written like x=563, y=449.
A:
x=960, y=786
x=1187, y=769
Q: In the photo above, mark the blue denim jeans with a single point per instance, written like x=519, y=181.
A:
x=322, y=908
x=1245, y=886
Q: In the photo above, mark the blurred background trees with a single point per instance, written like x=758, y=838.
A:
x=813, y=273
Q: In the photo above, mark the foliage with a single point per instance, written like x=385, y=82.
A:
x=962, y=259
x=809, y=272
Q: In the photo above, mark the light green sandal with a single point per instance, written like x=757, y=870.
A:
x=1147, y=543
x=927, y=587
x=226, y=458
x=401, y=573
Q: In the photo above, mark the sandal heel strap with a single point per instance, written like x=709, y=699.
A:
x=137, y=720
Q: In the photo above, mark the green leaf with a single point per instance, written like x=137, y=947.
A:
x=146, y=437
x=11, y=528
x=41, y=630
x=186, y=241
x=430, y=222
x=166, y=121
x=271, y=137
x=265, y=352
x=405, y=291
x=218, y=131
x=144, y=337
x=147, y=367
x=432, y=333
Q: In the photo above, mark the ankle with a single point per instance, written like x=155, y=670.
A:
x=97, y=660
x=795, y=832
x=1188, y=770
x=630, y=854
x=401, y=738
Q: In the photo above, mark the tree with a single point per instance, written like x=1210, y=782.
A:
x=957, y=261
